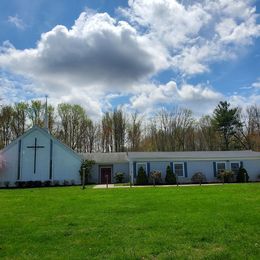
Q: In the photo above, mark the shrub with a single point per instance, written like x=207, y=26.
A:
x=47, y=183
x=56, y=183
x=141, y=177
x=37, y=183
x=6, y=183
x=156, y=177
x=87, y=165
x=72, y=182
x=119, y=177
x=66, y=183
x=20, y=184
x=29, y=184
x=242, y=175
x=170, y=177
x=226, y=176
x=198, y=177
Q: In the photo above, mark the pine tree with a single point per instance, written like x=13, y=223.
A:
x=170, y=177
x=141, y=177
x=226, y=121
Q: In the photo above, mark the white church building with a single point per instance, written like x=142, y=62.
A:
x=38, y=156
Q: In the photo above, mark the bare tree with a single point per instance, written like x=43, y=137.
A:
x=134, y=132
x=107, y=133
x=6, y=116
x=119, y=130
x=36, y=113
x=19, y=116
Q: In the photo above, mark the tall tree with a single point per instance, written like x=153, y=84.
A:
x=134, y=132
x=6, y=116
x=36, y=113
x=226, y=121
x=207, y=138
x=107, y=132
x=119, y=130
x=20, y=111
x=184, y=123
x=64, y=114
x=51, y=118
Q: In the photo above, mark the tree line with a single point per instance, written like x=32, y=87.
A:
x=227, y=128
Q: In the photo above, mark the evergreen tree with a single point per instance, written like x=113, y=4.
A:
x=226, y=121
x=242, y=175
x=86, y=165
x=170, y=177
x=142, y=178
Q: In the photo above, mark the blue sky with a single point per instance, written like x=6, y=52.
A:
x=140, y=55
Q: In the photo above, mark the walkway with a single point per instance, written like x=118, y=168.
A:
x=104, y=186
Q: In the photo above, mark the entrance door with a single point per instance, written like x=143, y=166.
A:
x=105, y=174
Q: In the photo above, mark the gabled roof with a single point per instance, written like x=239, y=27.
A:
x=106, y=158
x=44, y=132
x=195, y=155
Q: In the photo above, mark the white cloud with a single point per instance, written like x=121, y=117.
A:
x=14, y=91
x=100, y=56
x=198, y=93
x=95, y=54
x=168, y=20
x=244, y=101
x=200, y=99
x=96, y=57
x=196, y=33
x=256, y=84
x=18, y=22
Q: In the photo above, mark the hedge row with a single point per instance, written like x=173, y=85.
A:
x=30, y=184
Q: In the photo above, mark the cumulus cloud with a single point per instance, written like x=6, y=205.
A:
x=96, y=51
x=244, y=102
x=100, y=55
x=198, y=98
x=196, y=33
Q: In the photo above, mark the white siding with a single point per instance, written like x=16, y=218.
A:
x=10, y=170
x=42, y=157
x=66, y=166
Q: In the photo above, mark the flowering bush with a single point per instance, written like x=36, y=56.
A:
x=155, y=177
x=198, y=177
x=226, y=176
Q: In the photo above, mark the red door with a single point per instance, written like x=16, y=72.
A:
x=105, y=174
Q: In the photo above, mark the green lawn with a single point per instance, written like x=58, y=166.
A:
x=211, y=222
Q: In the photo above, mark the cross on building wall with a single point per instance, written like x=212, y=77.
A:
x=35, y=147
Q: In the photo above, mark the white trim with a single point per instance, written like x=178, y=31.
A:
x=183, y=169
x=213, y=159
x=140, y=163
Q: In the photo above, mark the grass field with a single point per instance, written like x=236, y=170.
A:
x=211, y=222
